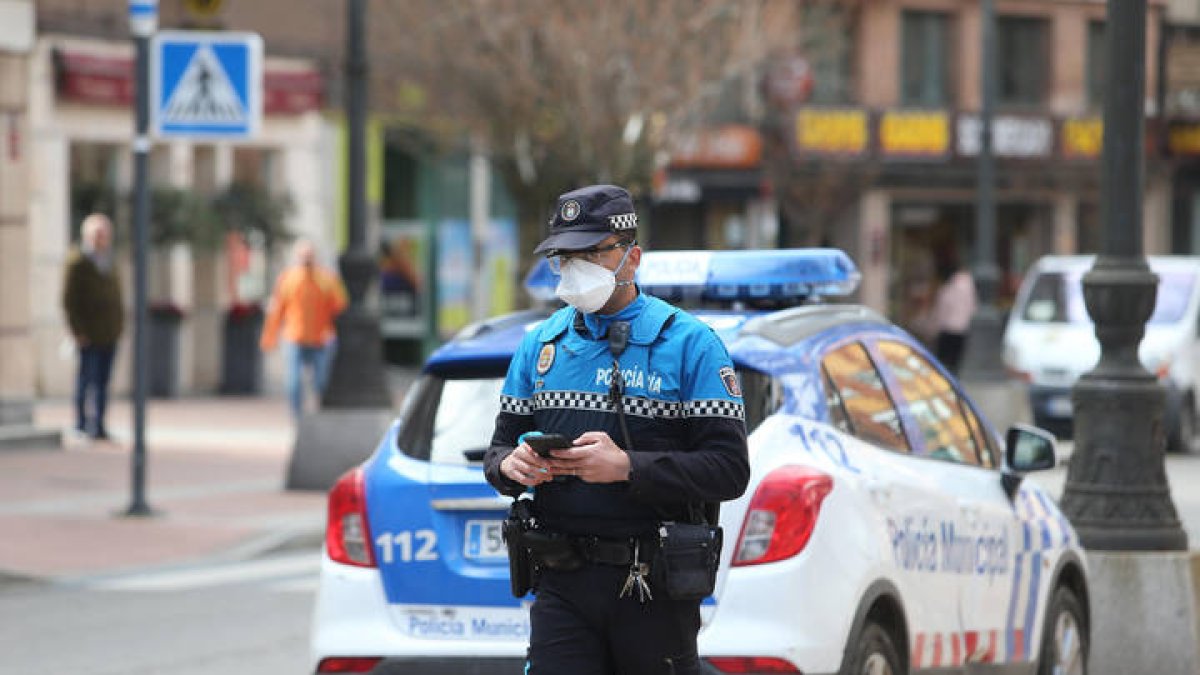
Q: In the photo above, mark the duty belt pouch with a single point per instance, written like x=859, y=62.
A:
x=514, y=529
x=685, y=565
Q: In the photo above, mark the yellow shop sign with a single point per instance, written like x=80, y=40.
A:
x=832, y=131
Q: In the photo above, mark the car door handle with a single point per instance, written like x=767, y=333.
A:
x=472, y=504
x=971, y=513
x=881, y=493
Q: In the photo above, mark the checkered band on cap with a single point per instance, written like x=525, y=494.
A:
x=714, y=408
x=625, y=221
x=516, y=406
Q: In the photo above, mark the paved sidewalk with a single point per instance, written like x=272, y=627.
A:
x=215, y=469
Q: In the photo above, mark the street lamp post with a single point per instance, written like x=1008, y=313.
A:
x=1116, y=494
x=982, y=357
x=357, y=379
x=356, y=407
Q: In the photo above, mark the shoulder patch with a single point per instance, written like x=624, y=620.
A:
x=729, y=378
x=545, y=358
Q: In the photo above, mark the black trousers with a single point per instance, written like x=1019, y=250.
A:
x=580, y=626
x=95, y=369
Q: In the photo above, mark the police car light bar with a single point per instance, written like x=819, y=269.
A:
x=729, y=276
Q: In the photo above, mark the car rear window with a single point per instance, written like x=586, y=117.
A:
x=449, y=420
x=1057, y=297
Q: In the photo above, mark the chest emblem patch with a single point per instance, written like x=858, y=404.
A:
x=729, y=378
x=545, y=359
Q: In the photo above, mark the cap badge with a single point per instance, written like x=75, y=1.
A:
x=570, y=210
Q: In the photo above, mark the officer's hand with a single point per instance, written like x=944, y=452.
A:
x=595, y=459
x=525, y=467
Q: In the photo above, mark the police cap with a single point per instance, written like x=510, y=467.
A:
x=585, y=217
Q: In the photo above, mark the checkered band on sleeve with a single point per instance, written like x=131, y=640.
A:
x=581, y=400
x=625, y=221
x=714, y=408
x=516, y=406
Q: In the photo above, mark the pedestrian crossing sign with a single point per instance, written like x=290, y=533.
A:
x=205, y=85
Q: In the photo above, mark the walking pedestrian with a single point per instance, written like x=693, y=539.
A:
x=304, y=305
x=651, y=417
x=954, y=305
x=95, y=316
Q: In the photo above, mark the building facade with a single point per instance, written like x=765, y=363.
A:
x=870, y=138
x=18, y=376
x=76, y=132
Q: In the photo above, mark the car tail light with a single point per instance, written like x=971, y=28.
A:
x=347, y=535
x=782, y=515
x=751, y=664
x=348, y=664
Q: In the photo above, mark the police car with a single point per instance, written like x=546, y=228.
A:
x=886, y=528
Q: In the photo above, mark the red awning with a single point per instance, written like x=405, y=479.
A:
x=102, y=79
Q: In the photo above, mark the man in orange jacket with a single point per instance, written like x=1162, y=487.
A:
x=306, y=301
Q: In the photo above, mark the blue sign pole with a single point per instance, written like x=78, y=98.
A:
x=143, y=22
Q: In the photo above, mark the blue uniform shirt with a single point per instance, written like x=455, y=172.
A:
x=682, y=403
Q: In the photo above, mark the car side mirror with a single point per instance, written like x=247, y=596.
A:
x=1026, y=449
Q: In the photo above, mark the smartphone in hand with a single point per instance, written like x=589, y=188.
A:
x=544, y=443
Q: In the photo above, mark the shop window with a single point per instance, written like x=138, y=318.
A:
x=254, y=166
x=95, y=184
x=946, y=424
x=1022, y=54
x=1097, y=62
x=868, y=410
x=925, y=72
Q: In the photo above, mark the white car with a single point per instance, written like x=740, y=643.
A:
x=884, y=529
x=1050, y=340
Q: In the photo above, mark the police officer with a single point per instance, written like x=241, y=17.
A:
x=655, y=415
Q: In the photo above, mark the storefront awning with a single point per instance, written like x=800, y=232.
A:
x=92, y=78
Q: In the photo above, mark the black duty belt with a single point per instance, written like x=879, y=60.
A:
x=609, y=551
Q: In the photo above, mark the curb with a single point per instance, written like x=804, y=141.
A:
x=253, y=548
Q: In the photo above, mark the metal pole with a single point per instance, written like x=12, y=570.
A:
x=356, y=107
x=1116, y=493
x=143, y=19
x=987, y=274
x=357, y=379
x=983, y=349
x=480, y=175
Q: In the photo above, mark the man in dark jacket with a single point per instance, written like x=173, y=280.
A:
x=648, y=400
x=95, y=315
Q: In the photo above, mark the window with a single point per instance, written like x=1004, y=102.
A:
x=1022, y=50
x=1097, y=63
x=925, y=73
x=940, y=414
x=827, y=39
x=762, y=395
x=444, y=419
x=1057, y=297
x=867, y=407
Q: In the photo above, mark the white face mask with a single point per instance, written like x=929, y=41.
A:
x=587, y=286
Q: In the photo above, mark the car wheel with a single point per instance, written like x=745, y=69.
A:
x=874, y=654
x=1064, y=638
x=1183, y=435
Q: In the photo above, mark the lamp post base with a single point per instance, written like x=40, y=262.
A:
x=1143, y=613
